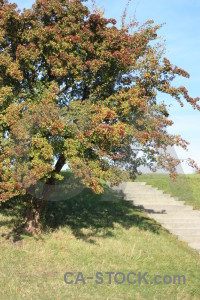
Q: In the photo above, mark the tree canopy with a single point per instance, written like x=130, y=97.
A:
x=77, y=89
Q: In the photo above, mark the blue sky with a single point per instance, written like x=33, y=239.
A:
x=182, y=35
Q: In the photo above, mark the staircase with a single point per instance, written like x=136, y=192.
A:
x=180, y=219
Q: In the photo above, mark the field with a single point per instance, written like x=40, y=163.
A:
x=87, y=233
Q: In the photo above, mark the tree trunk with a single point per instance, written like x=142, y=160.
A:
x=31, y=224
x=33, y=215
x=36, y=206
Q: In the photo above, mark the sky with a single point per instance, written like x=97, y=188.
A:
x=182, y=35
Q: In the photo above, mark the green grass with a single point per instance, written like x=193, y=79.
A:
x=88, y=233
x=186, y=187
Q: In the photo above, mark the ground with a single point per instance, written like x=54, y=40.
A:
x=87, y=233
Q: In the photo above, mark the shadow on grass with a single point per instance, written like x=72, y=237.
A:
x=86, y=214
x=11, y=218
x=89, y=215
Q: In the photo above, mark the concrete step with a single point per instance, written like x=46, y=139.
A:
x=190, y=239
x=155, y=202
x=145, y=196
x=138, y=190
x=137, y=186
x=149, y=192
x=186, y=235
x=131, y=184
x=165, y=208
x=142, y=187
x=195, y=246
x=185, y=231
x=146, y=192
x=174, y=215
x=177, y=221
x=132, y=187
x=180, y=222
x=150, y=195
x=181, y=226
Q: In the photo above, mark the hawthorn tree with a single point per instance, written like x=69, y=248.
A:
x=76, y=89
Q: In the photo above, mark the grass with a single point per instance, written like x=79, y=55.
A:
x=186, y=187
x=88, y=233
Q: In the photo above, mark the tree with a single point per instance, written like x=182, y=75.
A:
x=76, y=89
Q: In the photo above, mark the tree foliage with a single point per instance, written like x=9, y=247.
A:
x=76, y=89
